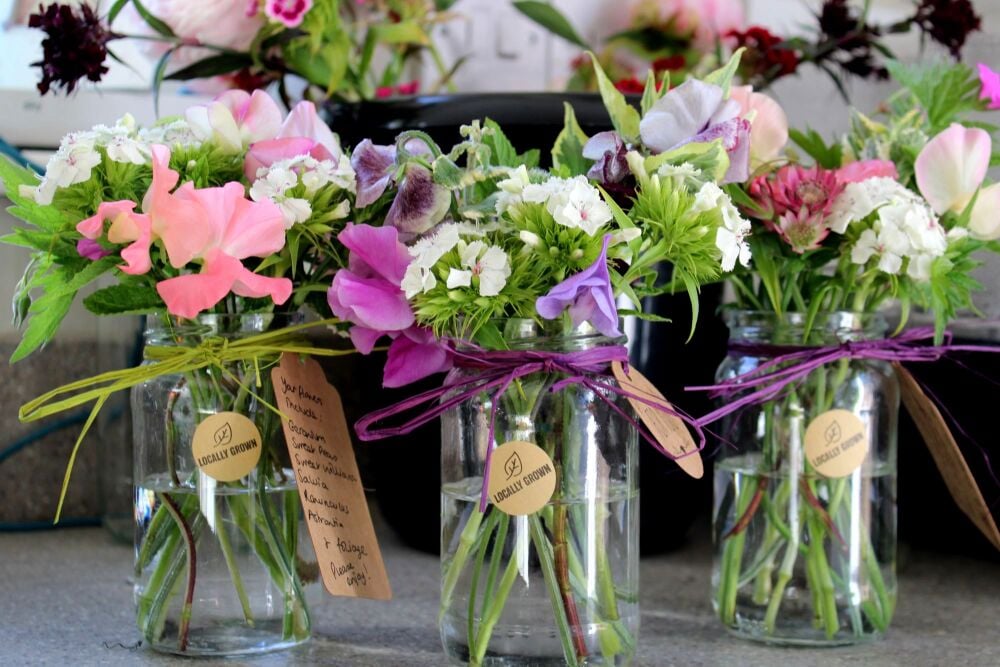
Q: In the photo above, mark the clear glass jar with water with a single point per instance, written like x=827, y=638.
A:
x=805, y=552
x=560, y=585
x=222, y=568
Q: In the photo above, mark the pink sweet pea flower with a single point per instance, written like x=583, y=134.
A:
x=768, y=125
x=302, y=133
x=952, y=166
x=862, y=170
x=289, y=12
x=990, y=81
x=182, y=242
x=420, y=203
x=237, y=228
x=368, y=294
x=587, y=294
x=127, y=226
x=236, y=119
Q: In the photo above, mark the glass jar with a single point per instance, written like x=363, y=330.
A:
x=560, y=585
x=220, y=566
x=805, y=553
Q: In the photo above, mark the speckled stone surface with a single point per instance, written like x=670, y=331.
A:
x=67, y=601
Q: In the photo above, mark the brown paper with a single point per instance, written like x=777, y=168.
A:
x=947, y=456
x=668, y=430
x=836, y=443
x=522, y=478
x=226, y=446
x=333, y=499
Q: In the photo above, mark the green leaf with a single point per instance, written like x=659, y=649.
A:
x=651, y=94
x=624, y=117
x=115, y=10
x=710, y=158
x=321, y=54
x=124, y=299
x=42, y=325
x=447, y=173
x=691, y=285
x=223, y=63
x=568, y=148
x=723, y=77
x=504, y=153
x=649, y=317
x=827, y=156
x=158, y=72
x=946, y=91
x=153, y=22
x=551, y=19
x=403, y=32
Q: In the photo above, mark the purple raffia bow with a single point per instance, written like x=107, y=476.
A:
x=497, y=370
x=791, y=363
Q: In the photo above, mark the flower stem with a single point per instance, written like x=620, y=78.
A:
x=188, y=537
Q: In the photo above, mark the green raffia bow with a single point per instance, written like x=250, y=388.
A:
x=215, y=351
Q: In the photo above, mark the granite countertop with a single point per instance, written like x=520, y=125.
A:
x=66, y=600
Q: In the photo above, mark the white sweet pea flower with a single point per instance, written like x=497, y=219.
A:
x=578, y=205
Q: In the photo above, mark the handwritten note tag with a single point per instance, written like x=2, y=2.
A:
x=668, y=430
x=333, y=499
x=947, y=456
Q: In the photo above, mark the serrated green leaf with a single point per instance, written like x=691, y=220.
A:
x=723, y=77
x=551, y=19
x=568, y=148
x=503, y=152
x=623, y=116
x=446, y=173
x=124, y=299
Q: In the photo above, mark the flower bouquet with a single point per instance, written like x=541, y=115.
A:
x=477, y=261
x=805, y=514
x=218, y=226
x=346, y=51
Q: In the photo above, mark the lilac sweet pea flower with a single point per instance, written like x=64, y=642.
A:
x=91, y=249
x=373, y=166
x=696, y=112
x=588, y=295
x=367, y=293
x=608, y=149
x=419, y=204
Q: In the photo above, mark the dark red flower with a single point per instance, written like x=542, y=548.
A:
x=669, y=63
x=75, y=46
x=631, y=85
x=850, y=41
x=766, y=56
x=948, y=22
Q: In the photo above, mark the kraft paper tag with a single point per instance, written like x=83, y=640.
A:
x=226, y=446
x=836, y=443
x=333, y=499
x=948, y=457
x=668, y=429
x=522, y=478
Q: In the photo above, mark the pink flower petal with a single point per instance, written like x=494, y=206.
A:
x=375, y=251
x=984, y=223
x=951, y=167
x=188, y=295
x=178, y=221
x=862, y=170
x=769, y=126
x=303, y=121
x=93, y=227
x=373, y=303
x=260, y=119
x=265, y=153
x=364, y=339
x=990, y=81
x=409, y=361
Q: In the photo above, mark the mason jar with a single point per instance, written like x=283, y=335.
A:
x=221, y=567
x=805, y=488
x=557, y=584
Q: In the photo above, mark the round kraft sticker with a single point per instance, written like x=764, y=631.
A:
x=226, y=446
x=836, y=443
x=522, y=478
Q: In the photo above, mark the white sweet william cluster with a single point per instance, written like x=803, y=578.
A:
x=730, y=238
x=489, y=264
x=275, y=182
x=572, y=202
x=904, y=227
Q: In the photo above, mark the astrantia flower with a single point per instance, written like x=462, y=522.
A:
x=795, y=202
x=487, y=265
x=587, y=295
x=289, y=12
x=75, y=46
x=948, y=22
x=990, y=82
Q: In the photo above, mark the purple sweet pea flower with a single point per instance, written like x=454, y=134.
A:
x=588, y=295
x=608, y=149
x=419, y=204
x=91, y=249
x=696, y=112
x=373, y=166
x=367, y=293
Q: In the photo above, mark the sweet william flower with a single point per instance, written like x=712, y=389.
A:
x=730, y=237
x=587, y=295
x=289, y=12
x=75, y=46
x=488, y=264
x=990, y=86
x=576, y=204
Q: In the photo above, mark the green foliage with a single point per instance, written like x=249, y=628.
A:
x=550, y=18
x=946, y=91
x=135, y=297
x=709, y=158
x=723, y=77
x=567, y=152
x=624, y=117
x=812, y=142
x=322, y=51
